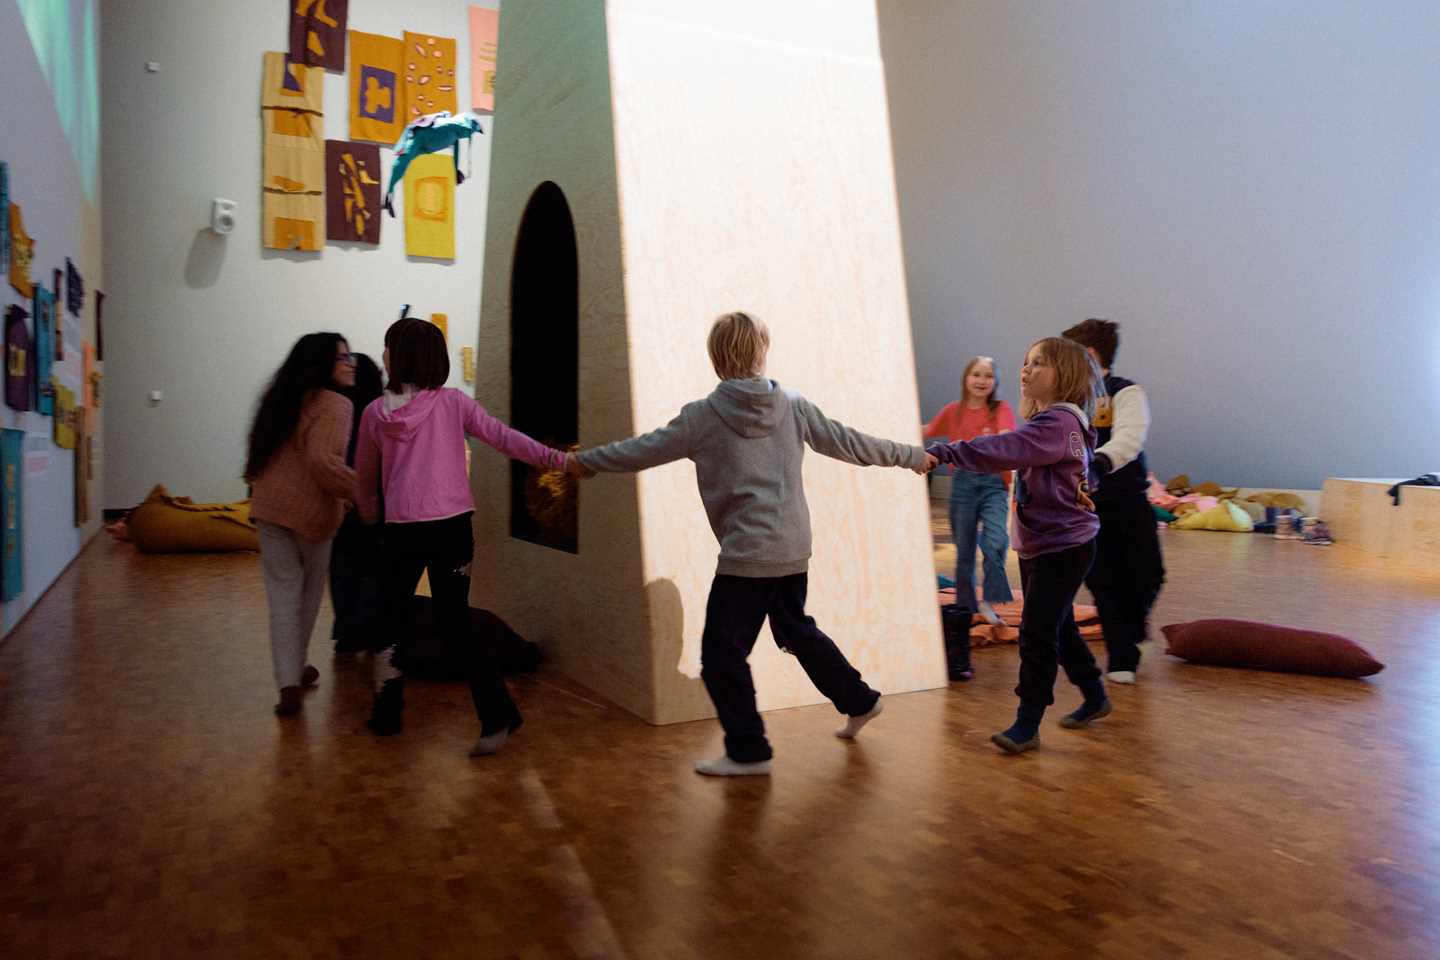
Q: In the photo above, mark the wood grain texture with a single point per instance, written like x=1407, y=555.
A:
x=762, y=182
x=1361, y=514
x=151, y=805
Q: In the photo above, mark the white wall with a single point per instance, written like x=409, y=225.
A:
x=1250, y=189
x=46, y=183
x=207, y=319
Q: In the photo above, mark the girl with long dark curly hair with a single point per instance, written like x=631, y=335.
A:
x=296, y=467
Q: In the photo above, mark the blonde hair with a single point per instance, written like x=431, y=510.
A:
x=1077, y=378
x=738, y=344
x=992, y=402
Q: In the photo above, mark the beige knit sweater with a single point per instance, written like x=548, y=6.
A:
x=306, y=483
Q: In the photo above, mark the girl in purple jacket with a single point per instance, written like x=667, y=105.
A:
x=1054, y=529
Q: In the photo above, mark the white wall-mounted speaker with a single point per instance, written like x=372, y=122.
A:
x=222, y=215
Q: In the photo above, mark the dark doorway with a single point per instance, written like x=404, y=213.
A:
x=544, y=367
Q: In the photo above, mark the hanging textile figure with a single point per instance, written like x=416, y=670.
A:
x=430, y=134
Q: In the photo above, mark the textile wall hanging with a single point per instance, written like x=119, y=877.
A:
x=376, y=111
x=59, y=320
x=44, y=316
x=12, y=514
x=429, y=75
x=74, y=289
x=64, y=420
x=294, y=155
x=19, y=358
x=22, y=252
x=99, y=325
x=467, y=364
x=430, y=207
x=484, y=49
x=317, y=32
x=87, y=375
x=82, y=466
x=4, y=217
x=352, y=191
x=442, y=321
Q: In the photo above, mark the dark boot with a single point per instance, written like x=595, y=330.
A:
x=955, y=620
x=386, y=715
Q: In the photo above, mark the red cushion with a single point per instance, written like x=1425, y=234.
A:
x=1263, y=646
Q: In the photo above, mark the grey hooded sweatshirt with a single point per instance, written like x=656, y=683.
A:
x=748, y=440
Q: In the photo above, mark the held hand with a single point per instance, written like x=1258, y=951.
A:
x=1082, y=498
x=930, y=463
x=576, y=469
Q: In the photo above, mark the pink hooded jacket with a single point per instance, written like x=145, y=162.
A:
x=413, y=446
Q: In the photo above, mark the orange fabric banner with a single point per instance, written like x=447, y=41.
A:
x=429, y=64
x=376, y=108
x=484, y=50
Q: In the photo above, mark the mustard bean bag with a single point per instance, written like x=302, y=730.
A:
x=1223, y=516
x=166, y=524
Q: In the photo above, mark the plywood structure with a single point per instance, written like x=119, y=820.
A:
x=1360, y=513
x=713, y=158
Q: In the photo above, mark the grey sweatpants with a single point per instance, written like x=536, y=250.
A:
x=295, y=570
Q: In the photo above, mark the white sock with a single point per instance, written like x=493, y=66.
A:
x=723, y=766
x=854, y=725
x=1121, y=676
x=485, y=746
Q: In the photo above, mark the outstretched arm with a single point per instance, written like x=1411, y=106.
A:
x=1035, y=443
x=834, y=439
x=670, y=442
x=481, y=424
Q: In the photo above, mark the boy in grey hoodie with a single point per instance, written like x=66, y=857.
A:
x=747, y=440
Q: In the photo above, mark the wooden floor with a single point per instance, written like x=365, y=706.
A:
x=152, y=806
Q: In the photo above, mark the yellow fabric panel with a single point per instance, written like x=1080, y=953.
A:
x=429, y=75
x=430, y=207
x=377, y=110
x=22, y=253
x=294, y=221
x=275, y=93
x=64, y=418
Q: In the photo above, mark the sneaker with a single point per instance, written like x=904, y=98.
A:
x=988, y=614
x=1121, y=676
x=1083, y=716
x=723, y=766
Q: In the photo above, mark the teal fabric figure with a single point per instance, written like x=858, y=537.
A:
x=431, y=134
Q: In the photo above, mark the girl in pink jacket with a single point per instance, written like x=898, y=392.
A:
x=412, y=451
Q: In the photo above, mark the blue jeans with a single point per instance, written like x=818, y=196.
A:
x=980, y=500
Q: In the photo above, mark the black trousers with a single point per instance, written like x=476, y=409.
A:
x=1049, y=638
x=356, y=591
x=734, y=614
x=444, y=548
x=1127, y=575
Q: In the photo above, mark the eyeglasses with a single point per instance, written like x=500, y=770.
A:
x=346, y=358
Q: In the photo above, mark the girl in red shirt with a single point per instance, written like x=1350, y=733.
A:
x=978, y=501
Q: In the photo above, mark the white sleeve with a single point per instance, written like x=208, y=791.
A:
x=1130, y=428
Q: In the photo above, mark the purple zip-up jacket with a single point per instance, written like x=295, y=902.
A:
x=1052, y=453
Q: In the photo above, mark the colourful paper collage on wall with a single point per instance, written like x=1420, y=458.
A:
x=64, y=419
x=4, y=217
x=352, y=191
x=12, y=514
x=430, y=207
x=376, y=111
x=429, y=75
x=484, y=50
x=317, y=32
x=44, y=317
x=22, y=253
x=294, y=155
x=82, y=466
x=74, y=289
x=19, y=358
